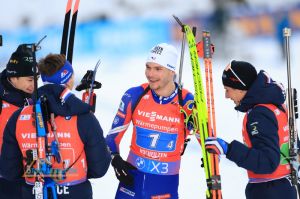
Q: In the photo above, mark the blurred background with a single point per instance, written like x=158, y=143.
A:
x=127, y=27
x=121, y=32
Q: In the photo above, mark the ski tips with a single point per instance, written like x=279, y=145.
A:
x=76, y=6
x=69, y=6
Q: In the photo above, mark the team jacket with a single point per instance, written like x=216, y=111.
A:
x=71, y=147
x=264, y=131
x=158, y=129
x=7, y=110
x=10, y=101
x=283, y=169
x=73, y=119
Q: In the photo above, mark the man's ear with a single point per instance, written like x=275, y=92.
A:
x=13, y=80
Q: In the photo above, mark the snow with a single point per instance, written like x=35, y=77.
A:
x=117, y=76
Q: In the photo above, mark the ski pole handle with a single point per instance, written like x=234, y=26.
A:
x=90, y=98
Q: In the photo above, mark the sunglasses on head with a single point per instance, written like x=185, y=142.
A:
x=228, y=67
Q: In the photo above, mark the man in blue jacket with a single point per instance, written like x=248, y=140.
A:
x=265, y=132
x=82, y=151
x=16, y=88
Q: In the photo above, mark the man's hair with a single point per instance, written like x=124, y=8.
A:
x=51, y=64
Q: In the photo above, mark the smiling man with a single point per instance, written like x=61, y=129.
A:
x=266, y=137
x=158, y=137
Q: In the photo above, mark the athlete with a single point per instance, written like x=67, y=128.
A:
x=16, y=87
x=265, y=132
x=157, y=111
x=81, y=153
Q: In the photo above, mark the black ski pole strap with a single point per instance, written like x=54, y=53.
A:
x=186, y=140
x=139, y=99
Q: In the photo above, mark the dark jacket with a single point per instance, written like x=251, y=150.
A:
x=16, y=97
x=90, y=132
x=264, y=156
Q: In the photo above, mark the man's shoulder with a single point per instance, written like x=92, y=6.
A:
x=136, y=91
x=187, y=94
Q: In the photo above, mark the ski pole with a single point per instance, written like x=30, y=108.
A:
x=207, y=56
x=293, y=148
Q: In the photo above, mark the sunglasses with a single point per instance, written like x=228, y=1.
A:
x=228, y=67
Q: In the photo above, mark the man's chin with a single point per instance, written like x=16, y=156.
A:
x=152, y=86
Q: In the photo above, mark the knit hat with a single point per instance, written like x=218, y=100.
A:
x=164, y=55
x=21, y=62
x=239, y=75
x=62, y=76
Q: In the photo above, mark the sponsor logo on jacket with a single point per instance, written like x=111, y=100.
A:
x=49, y=135
x=153, y=116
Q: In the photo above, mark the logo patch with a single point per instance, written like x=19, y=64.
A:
x=25, y=117
x=121, y=106
x=254, y=130
x=116, y=120
x=157, y=50
x=5, y=105
x=64, y=73
x=146, y=97
x=140, y=163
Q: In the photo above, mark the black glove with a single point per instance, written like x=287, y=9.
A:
x=122, y=168
x=86, y=82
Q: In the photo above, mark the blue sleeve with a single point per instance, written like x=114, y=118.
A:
x=123, y=118
x=264, y=156
x=97, y=154
x=11, y=166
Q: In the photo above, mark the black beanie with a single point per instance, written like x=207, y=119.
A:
x=21, y=62
x=239, y=72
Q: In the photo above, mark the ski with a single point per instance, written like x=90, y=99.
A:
x=72, y=32
x=64, y=39
x=202, y=127
x=200, y=113
x=207, y=57
x=292, y=114
x=68, y=36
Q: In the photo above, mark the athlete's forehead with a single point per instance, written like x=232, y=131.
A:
x=153, y=65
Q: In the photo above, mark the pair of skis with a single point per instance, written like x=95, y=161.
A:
x=204, y=113
x=68, y=36
x=88, y=82
x=44, y=178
